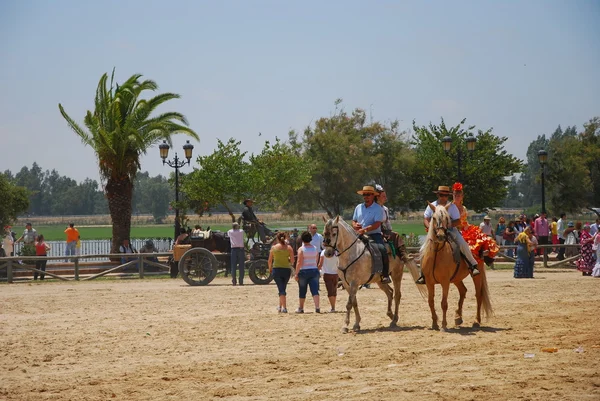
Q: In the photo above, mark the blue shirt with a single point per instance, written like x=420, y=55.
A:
x=366, y=216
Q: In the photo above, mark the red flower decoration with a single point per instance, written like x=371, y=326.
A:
x=457, y=186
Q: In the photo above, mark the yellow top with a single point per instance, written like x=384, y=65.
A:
x=281, y=257
x=554, y=228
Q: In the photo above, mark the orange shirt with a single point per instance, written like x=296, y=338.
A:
x=72, y=234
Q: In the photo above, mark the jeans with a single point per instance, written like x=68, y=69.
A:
x=464, y=247
x=40, y=265
x=308, y=278
x=238, y=257
x=509, y=252
x=281, y=275
x=70, y=250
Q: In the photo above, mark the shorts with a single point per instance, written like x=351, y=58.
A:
x=331, y=282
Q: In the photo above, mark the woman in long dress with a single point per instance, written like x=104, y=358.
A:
x=483, y=247
x=523, y=268
x=585, y=264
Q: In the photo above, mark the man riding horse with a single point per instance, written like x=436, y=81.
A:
x=443, y=193
x=250, y=218
x=367, y=219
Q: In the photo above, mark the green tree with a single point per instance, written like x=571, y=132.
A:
x=120, y=129
x=14, y=200
x=486, y=171
x=277, y=174
x=221, y=178
x=32, y=179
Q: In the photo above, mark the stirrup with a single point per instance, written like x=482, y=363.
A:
x=474, y=270
x=385, y=280
x=421, y=280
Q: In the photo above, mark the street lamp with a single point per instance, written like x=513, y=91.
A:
x=176, y=164
x=447, y=144
x=543, y=158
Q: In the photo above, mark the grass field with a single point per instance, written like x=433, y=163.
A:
x=56, y=233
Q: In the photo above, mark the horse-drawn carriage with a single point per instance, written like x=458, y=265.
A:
x=209, y=253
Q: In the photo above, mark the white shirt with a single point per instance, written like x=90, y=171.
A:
x=452, y=211
x=317, y=241
x=236, y=237
x=593, y=229
x=7, y=244
x=486, y=228
x=330, y=265
x=560, y=228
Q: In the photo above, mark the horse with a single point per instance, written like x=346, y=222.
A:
x=439, y=267
x=355, y=269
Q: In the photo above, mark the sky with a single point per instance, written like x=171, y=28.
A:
x=253, y=70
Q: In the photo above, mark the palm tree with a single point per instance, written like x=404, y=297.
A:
x=120, y=129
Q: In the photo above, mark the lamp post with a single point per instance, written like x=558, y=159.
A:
x=447, y=143
x=176, y=164
x=543, y=158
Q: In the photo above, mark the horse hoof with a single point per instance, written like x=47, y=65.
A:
x=394, y=323
x=444, y=330
x=476, y=325
x=344, y=330
x=356, y=328
x=458, y=321
x=435, y=327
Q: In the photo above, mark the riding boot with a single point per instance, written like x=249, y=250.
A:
x=474, y=270
x=421, y=279
x=385, y=273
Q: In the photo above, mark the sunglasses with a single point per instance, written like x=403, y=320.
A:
x=364, y=195
x=443, y=195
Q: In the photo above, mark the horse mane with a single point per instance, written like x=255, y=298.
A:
x=440, y=215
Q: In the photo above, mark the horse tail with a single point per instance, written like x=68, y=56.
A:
x=486, y=301
x=412, y=267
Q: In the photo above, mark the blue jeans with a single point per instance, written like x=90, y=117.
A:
x=281, y=275
x=238, y=257
x=70, y=250
x=308, y=278
x=509, y=252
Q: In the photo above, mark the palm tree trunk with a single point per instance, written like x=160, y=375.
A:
x=119, y=194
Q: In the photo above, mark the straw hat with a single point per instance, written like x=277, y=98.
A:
x=443, y=189
x=487, y=218
x=367, y=189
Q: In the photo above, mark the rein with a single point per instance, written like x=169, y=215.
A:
x=436, y=249
x=334, y=246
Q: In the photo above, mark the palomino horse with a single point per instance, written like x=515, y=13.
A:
x=439, y=267
x=355, y=269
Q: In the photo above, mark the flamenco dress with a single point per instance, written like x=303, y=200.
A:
x=477, y=240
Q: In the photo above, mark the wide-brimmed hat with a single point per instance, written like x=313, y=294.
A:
x=570, y=224
x=443, y=189
x=487, y=218
x=367, y=189
x=248, y=200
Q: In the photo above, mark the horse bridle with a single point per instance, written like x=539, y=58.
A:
x=327, y=242
x=443, y=243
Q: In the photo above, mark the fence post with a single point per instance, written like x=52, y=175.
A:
x=545, y=256
x=141, y=266
x=76, y=267
x=9, y=272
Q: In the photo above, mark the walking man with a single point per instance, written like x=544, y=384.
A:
x=238, y=254
x=72, y=238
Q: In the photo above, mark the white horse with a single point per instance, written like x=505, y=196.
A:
x=355, y=269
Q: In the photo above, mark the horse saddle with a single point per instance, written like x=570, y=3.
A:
x=456, y=251
x=376, y=258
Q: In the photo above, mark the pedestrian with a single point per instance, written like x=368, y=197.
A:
x=28, y=238
x=571, y=238
x=149, y=248
x=8, y=242
x=541, y=231
x=281, y=257
x=307, y=272
x=238, y=253
x=585, y=264
x=183, y=237
x=329, y=270
x=560, y=228
x=126, y=248
x=500, y=229
x=509, y=238
x=596, y=248
x=41, y=249
x=486, y=226
x=317, y=239
x=554, y=232
x=522, y=266
x=594, y=227
x=72, y=238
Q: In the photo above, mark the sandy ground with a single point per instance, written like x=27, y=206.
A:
x=164, y=340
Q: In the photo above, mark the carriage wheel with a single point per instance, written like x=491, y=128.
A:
x=198, y=266
x=259, y=272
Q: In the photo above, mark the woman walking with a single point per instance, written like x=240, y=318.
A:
x=281, y=257
x=307, y=272
x=523, y=266
x=585, y=264
x=41, y=249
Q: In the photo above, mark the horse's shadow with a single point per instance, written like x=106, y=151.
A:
x=471, y=331
x=395, y=329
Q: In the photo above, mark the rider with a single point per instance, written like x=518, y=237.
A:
x=443, y=193
x=249, y=216
x=386, y=226
x=367, y=219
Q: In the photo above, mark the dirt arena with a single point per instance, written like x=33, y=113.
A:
x=164, y=340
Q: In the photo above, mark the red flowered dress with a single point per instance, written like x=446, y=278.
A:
x=477, y=240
